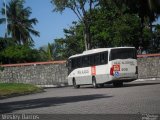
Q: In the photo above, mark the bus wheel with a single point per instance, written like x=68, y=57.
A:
x=94, y=83
x=75, y=85
x=118, y=84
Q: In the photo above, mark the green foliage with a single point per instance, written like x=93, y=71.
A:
x=46, y=52
x=156, y=40
x=59, y=49
x=112, y=24
x=147, y=35
x=126, y=31
x=20, y=26
x=13, y=53
x=154, y=5
x=111, y=27
x=82, y=12
x=72, y=43
x=102, y=23
x=49, y=52
x=19, y=53
x=142, y=8
x=18, y=48
x=43, y=53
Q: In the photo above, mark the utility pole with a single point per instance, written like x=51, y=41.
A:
x=6, y=30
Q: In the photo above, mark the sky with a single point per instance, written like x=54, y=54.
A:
x=50, y=24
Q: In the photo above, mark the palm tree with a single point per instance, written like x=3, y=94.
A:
x=19, y=27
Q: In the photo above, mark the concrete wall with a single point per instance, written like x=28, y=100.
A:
x=55, y=73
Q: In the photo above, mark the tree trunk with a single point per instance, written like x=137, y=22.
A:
x=87, y=36
x=85, y=40
x=142, y=27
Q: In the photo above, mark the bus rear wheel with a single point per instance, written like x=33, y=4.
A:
x=75, y=85
x=94, y=83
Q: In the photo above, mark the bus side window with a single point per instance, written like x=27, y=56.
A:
x=79, y=62
x=97, y=59
x=85, y=61
x=104, y=58
x=72, y=66
x=92, y=61
x=74, y=63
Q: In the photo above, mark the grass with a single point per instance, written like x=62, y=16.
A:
x=17, y=89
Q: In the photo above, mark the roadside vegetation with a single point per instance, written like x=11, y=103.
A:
x=101, y=23
x=17, y=89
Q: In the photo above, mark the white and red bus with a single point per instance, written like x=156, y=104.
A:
x=103, y=65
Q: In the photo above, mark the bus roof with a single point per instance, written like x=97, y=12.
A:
x=88, y=52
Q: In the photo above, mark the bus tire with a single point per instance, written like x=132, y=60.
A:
x=118, y=84
x=94, y=83
x=75, y=85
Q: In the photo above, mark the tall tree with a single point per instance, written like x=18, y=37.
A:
x=20, y=26
x=115, y=26
x=83, y=10
x=154, y=5
x=146, y=10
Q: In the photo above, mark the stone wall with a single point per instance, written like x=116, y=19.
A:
x=55, y=73
x=149, y=67
x=38, y=73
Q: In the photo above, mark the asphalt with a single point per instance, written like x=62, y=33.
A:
x=138, y=97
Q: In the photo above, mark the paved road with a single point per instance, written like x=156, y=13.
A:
x=133, y=98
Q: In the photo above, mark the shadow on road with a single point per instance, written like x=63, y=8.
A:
x=46, y=102
x=125, y=85
x=140, y=84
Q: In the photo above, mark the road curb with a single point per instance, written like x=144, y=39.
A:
x=52, y=86
x=148, y=79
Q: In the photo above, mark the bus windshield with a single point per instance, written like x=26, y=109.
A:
x=124, y=53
